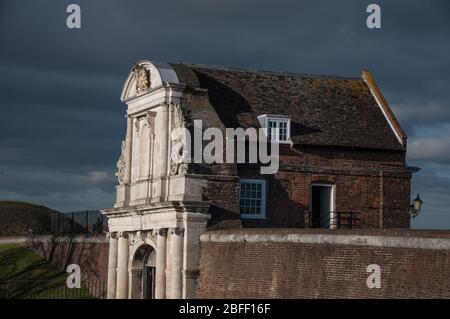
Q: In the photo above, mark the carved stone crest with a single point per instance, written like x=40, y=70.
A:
x=179, y=116
x=121, y=164
x=142, y=78
x=178, y=165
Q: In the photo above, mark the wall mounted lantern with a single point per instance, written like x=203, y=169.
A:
x=416, y=206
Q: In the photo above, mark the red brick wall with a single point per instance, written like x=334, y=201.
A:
x=223, y=193
x=380, y=201
x=91, y=257
x=373, y=184
x=287, y=270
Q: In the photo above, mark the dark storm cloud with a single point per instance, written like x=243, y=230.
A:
x=61, y=119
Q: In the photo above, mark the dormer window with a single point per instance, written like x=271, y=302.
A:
x=277, y=127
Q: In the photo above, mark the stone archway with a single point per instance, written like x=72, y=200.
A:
x=143, y=273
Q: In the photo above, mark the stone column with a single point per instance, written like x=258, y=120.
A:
x=161, y=245
x=177, y=263
x=128, y=141
x=112, y=266
x=163, y=155
x=122, y=266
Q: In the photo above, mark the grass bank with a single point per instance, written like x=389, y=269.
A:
x=24, y=274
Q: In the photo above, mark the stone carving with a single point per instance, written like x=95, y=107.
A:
x=151, y=235
x=137, y=124
x=181, y=121
x=123, y=234
x=162, y=232
x=136, y=236
x=176, y=231
x=178, y=168
x=142, y=236
x=121, y=164
x=148, y=121
x=131, y=239
x=142, y=78
x=111, y=235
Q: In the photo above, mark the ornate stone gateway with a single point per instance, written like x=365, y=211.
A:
x=159, y=215
x=143, y=273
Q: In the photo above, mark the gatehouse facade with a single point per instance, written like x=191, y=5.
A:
x=159, y=214
x=341, y=165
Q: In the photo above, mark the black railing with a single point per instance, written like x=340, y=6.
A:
x=333, y=220
x=81, y=222
x=51, y=289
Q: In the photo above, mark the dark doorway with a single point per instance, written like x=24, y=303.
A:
x=149, y=282
x=143, y=269
x=321, y=206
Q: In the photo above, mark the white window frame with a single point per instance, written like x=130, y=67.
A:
x=265, y=119
x=262, y=214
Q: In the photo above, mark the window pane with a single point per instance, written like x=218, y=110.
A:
x=282, y=127
x=283, y=131
x=251, y=198
x=272, y=125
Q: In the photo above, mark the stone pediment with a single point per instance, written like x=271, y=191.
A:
x=146, y=76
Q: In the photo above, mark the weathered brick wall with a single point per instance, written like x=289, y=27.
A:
x=90, y=253
x=304, y=270
x=223, y=193
x=373, y=184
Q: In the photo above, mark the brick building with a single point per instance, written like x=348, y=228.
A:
x=341, y=165
x=344, y=144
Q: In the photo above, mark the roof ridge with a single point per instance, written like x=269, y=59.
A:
x=236, y=69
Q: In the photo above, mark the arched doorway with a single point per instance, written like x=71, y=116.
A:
x=143, y=270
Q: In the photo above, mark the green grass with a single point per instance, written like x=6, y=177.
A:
x=24, y=274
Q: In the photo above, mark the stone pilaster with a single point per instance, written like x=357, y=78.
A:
x=164, y=152
x=112, y=266
x=161, y=253
x=176, y=291
x=129, y=142
x=122, y=266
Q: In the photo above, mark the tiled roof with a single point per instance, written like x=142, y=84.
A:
x=324, y=110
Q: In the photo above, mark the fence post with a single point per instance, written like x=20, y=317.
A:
x=87, y=222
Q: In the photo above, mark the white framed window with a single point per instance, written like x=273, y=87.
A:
x=277, y=127
x=252, y=198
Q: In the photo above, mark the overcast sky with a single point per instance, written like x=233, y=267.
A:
x=61, y=120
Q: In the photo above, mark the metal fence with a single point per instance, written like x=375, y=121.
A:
x=89, y=221
x=333, y=220
x=51, y=289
